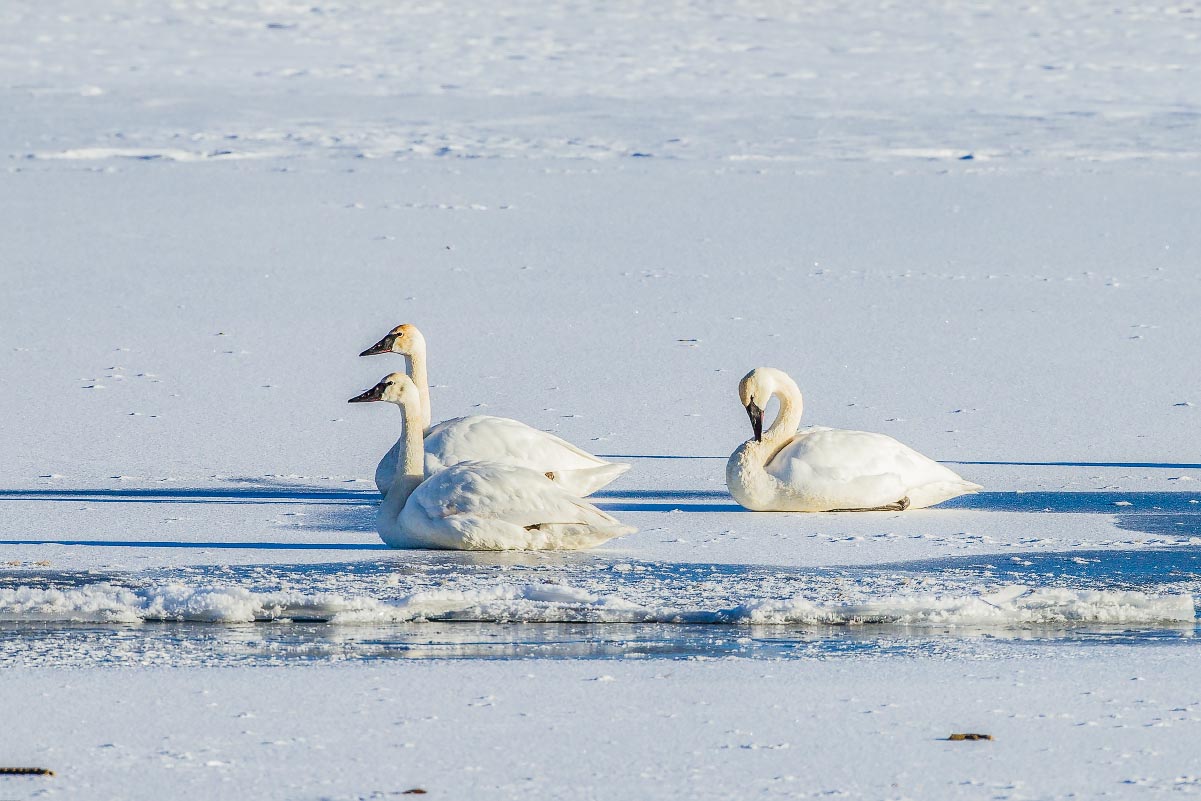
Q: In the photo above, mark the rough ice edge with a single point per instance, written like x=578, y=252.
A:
x=548, y=603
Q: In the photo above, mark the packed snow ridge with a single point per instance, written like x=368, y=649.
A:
x=550, y=603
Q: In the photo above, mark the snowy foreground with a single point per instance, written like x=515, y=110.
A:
x=1097, y=723
x=974, y=230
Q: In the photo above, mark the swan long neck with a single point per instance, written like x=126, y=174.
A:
x=411, y=470
x=746, y=471
x=418, y=371
x=786, y=422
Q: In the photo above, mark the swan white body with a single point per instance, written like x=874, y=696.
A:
x=485, y=506
x=506, y=441
x=487, y=438
x=476, y=505
x=827, y=469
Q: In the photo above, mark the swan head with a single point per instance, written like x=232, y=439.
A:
x=756, y=389
x=403, y=339
x=395, y=388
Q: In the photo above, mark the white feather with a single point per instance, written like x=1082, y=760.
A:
x=501, y=439
x=476, y=505
x=486, y=438
x=827, y=469
x=491, y=507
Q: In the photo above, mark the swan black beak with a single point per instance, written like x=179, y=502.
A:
x=383, y=346
x=373, y=394
x=756, y=415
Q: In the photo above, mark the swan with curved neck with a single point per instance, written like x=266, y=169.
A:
x=476, y=505
x=483, y=437
x=826, y=469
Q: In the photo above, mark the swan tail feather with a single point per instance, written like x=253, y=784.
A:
x=574, y=536
x=936, y=493
x=587, y=480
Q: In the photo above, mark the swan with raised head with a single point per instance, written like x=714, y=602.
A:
x=486, y=438
x=826, y=469
x=476, y=505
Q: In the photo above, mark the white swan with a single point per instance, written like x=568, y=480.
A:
x=486, y=438
x=479, y=506
x=826, y=469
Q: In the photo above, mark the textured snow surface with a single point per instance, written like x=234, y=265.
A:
x=551, y=603
x=969, y=226
x=1101, y=721
x=870, y=82
x=623, y=593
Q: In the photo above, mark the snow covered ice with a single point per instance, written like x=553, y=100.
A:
x=970, y=227
x=433, y=587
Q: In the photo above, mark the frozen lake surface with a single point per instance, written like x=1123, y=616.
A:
x=189, y=645
x=972, y=227
x=521, y=605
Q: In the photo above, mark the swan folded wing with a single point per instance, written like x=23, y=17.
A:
x=486, y=506
x=824, y=489
x=851, y=469
x=507, y=493
x=860, y=469
x=500, y=439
